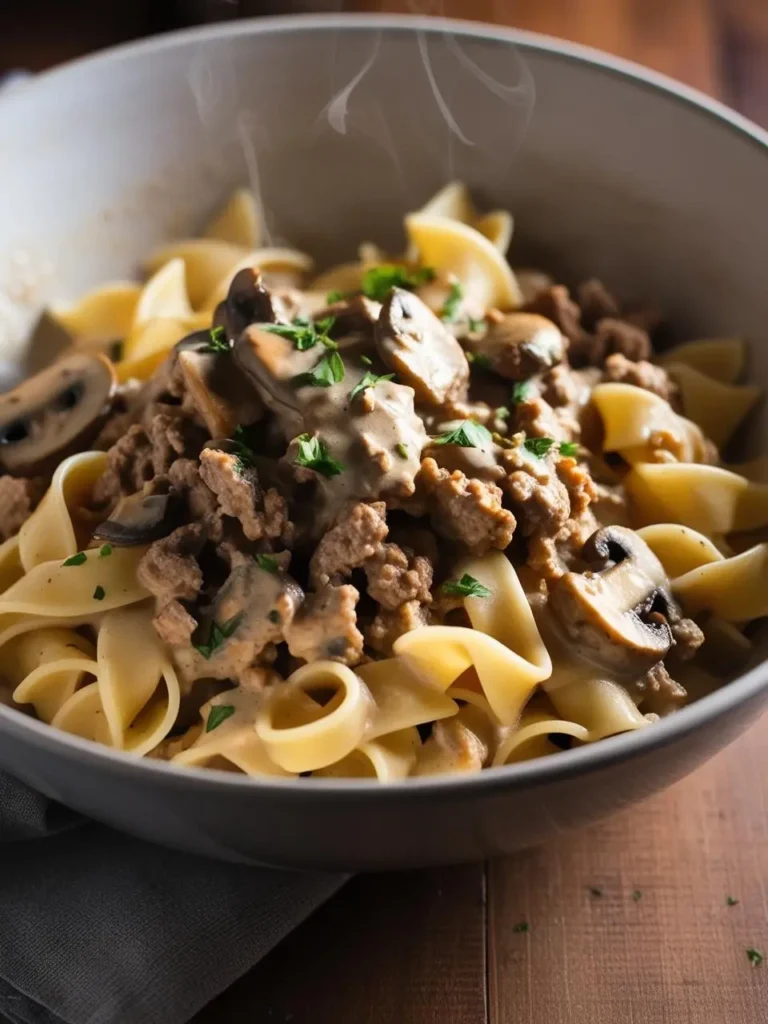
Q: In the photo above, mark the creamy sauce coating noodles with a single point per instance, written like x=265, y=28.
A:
x=413, y=515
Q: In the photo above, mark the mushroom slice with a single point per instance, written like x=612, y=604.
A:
x=249, y=301
x=140, y=519
x=55, y=413
x=221, y=393
x=519, y=345
x=413, y=342
x=603, y=610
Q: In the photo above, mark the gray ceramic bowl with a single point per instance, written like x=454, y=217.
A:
x=620, y=173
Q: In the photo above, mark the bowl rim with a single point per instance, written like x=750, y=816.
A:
x=540, y=771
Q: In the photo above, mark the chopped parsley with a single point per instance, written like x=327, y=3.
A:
x=241, y=449
x=569, y=448
x=334, y=296
x=303, y=333
x=369, y=380
x=478, y=359
x=637, y=895
x=521, y=391
x=99, y=593
x=468, y=435
x=467, y=586
x=105, y=551
x=521, y=928
x=366, y=360
x=379, y=281
x=314, y=454
x=475, y=325
x=502, y=413
x=452, y=305
x=538, y=446
x=402, y=450
x=274, y=616
x=219, y=713
x=267, y=563
x=217, y=637
x=329, y=370
x=595, y=891
x=755, y=956
x=731, y=901
x=77, y=559
x=218, y=341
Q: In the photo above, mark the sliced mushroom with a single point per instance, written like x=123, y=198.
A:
x=418, y=347
x=222, y=394
x=249, y=301
x=55, y=413
x=519, y=345
x=140, y=519
x=355, y=315
x=616, y=614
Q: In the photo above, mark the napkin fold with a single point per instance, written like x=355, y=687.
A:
x=100, y=928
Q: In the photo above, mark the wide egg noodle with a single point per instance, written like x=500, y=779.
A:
x=503, y=645
x=600, y=706
x=46, y=666
x=402, y=699
x=679, y=548
x=239, y=222
x=735, y=589
x=722, y=359
x=530, y=737
x=388, y=758
x=718, y=408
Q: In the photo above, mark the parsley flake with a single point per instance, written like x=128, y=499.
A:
x=569, y=448
x=521, y=391
x=314, y=454
x=219, y=713
x=369, y=380
x=99, y=593
x=467, y=435
x=240, y=444
x=637, y=895
x=538, y=446
x=267, y=563
x=402, y=450
x=475, y=325
x=467, y=586
x=502, y=413
x=521, y=928
x=379, y=281
x=731, y=901
x=755, y=956
x=329, y=370
x=452, y=305
x=217, y=636
x=105, y=551
x=366, y=360
x=334, y=296
x=303, y=334
x=218, y=340
x=479, y=360
x=77, y=559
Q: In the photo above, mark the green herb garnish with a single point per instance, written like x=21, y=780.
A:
x=329, y=370
x=468, y=435
x=538, y=446
x=731, y=901
x=99, y=593
x=105, y=551
x=755, y=956
x=637, y=895
x=475, y=325
x=240, y=444
x=366, y=360
x=502, y=413
x=479, y=359
x=313, y=454
x=402, y=450
x=218, y=340
x=379, y=281
x=452, y=305
x=521, y=927
x=467, y=586
x=334, y=296
x=217, y=636
x=369, y=380
x=274, y=616
x=267, y=563
x=77, y=559
x=219, y=713
x=303, y=333
x=521, y=391
x=569, y=448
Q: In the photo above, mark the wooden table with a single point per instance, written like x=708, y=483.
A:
x=628, y=922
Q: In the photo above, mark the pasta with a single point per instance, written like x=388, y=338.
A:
x=412, y=515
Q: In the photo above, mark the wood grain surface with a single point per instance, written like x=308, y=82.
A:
x=627, y=922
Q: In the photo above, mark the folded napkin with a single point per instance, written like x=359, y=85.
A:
x=100, y=928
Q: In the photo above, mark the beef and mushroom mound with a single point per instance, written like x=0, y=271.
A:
x=305, y=475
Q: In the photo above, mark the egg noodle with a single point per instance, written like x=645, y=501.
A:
x=550, y=547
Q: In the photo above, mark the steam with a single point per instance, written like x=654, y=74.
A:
x=337, y=110
x=445, y=110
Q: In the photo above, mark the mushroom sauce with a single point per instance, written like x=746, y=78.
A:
x=418, y=514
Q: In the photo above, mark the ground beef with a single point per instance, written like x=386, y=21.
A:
x=555, y=304
x=579, y=484
x=612, y=336
x=559, y=387
x=174, y=625
x=642, y=374
x=130, y=461
x=356, y=536
x=395, y=577
x=240, y=495
x=201, y=503
x=325, y=627
x=467, y=510
x=536, y=418
x=19, y=497
x=688, y=638
x=169, y=569
x=659, y=686
x=596, y=302
x=388, y=625
x=539, y=499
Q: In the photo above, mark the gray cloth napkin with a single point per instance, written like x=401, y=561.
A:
x=100, y=928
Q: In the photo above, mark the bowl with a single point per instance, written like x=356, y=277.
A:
x=345, y=123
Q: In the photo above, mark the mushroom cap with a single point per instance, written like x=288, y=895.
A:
x=54, y=413
x=519, y=345
x=220, y=391
x=249, y=301
x=602, y=612
x=419, y=348
x=140, y=519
